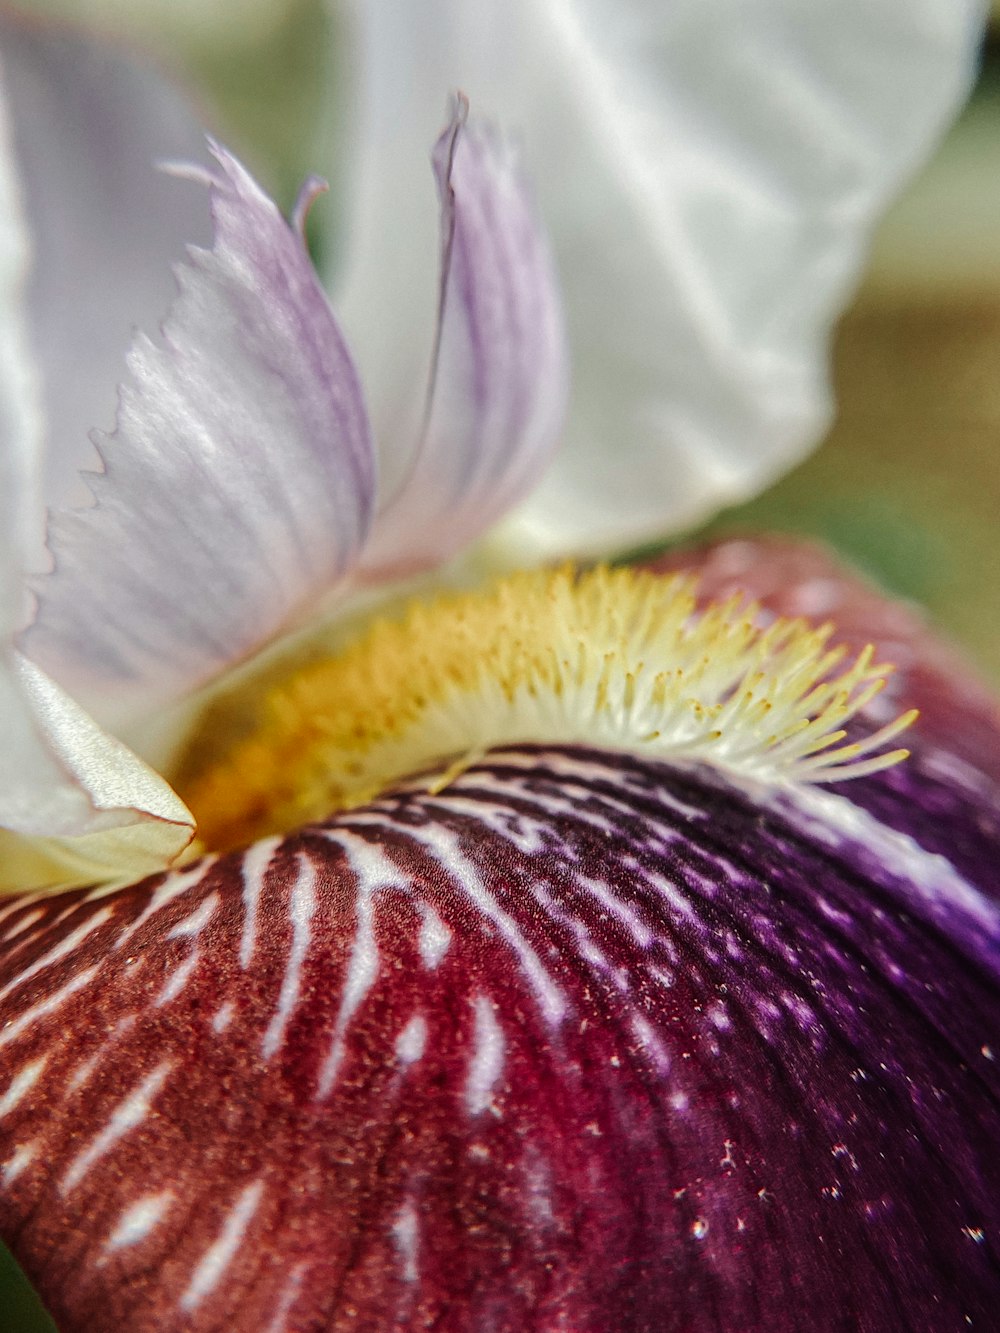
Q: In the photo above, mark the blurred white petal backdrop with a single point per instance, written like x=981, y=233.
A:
x=908, y=480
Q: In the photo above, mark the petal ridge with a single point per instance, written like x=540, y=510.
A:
x=499, y=368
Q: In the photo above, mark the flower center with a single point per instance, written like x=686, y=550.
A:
x=615, y=658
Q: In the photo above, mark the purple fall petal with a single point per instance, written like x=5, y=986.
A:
x=580, y=1042
x=498, y=390
x=238, y=484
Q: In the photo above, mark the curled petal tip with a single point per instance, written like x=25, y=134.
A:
x=310, y=190
x=500, y=370
x=76, y=806
x=457, y=109
x=186, y=171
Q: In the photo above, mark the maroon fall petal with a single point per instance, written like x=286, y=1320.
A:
x=581, y=1042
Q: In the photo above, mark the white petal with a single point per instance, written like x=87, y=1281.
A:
x=89, y=126
x=238, y=486
x=498, y=391
x=78, y=805
x=20, y=416
x=710, y=172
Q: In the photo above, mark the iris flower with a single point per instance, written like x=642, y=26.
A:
x=570, y=953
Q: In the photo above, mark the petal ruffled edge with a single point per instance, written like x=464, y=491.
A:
x=238, y=485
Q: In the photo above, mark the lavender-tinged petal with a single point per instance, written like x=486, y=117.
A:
x=498, y=391
x=238, y=484
x=20, y=415
x=710, y=173
x=579, y=1041
x=89, y=126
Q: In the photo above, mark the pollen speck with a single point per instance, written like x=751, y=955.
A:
x=616, y=658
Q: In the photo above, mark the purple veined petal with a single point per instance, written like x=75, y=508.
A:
x=75, y=803
x=89, y=125
x=578, y=1042
x=709, y=175
x=499, y=381
x=238, y=484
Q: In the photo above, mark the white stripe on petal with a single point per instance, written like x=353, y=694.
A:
x=22, y=1156
x=219, y=1255
x=444, y=847
x=178, y=979
x=139, y=1219
x=47, y=1006
x=434, y=937
x=374, y=870
x=253, y=867
x=22, y=1082
x=170, y=889
x=411, y=1041
x=301, y=909
x=128, y=1115
x=486, y=1064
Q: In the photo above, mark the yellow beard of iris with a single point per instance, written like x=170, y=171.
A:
x=618, y=659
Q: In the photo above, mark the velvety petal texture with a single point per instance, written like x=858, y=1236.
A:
x=579, y=1041
x=89, y=125
x=498, y=392
x=238, y=486
x=710, y=173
